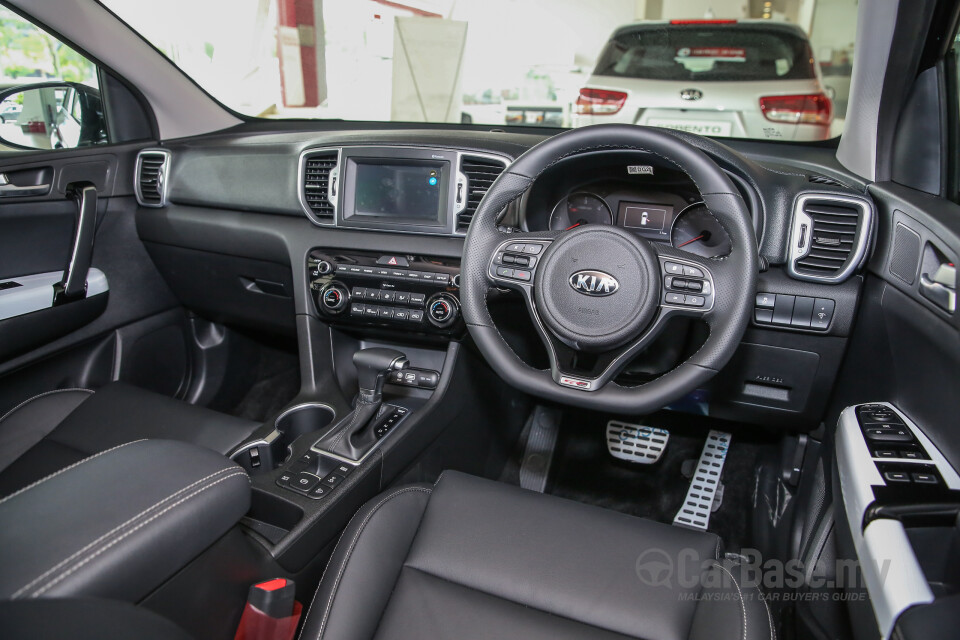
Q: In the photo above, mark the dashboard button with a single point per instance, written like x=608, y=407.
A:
x=802, y=312
x=416, y=316
x=783, y=309
x=924, y=478
x=388, y=296
x=403, y=297
x=385, y=313
x=822, y=314
x=373, y=310
x=359, y=293
x=417, y=299
x=442, y=278
x=766, y=300
x=358, y=309
x=897, y=476
x=763, y=316
x=393, y=261
x=401, y=314
x=371, y=295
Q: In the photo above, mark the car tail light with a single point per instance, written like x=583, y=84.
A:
x=703, y=22
x=35, y=126
x=600, y=102
x=806, y=109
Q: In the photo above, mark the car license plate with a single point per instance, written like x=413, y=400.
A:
x=700, y=127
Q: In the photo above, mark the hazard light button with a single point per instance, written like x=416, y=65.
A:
x=393, y=261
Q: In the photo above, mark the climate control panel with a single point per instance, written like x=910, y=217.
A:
x=399, y=292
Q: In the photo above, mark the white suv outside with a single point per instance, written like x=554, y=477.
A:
x=722, y=78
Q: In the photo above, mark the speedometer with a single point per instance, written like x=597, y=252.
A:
x=578, y=209
x=697, y=231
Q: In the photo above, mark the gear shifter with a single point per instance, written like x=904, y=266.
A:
x=354, y=436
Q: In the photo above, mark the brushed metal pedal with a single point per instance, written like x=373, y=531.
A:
x=636, y=442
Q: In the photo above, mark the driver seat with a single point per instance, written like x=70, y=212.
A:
x=474, y=559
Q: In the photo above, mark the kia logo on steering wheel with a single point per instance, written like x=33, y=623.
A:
x=594, y=283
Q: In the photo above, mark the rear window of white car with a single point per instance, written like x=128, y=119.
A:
x=721, y=53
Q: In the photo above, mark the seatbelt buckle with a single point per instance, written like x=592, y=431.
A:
x=271, y=612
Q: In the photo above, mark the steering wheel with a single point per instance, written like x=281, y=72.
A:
x=597, y=295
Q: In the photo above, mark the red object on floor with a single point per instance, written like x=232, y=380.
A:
x=271, y=612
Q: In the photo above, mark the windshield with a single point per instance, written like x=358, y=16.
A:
x=501, y=63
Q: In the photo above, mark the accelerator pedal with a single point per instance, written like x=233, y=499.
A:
x=636, y=442
x=697, y=506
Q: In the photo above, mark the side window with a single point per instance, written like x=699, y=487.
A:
x=49, y=93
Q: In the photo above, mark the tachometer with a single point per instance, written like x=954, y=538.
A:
x=578, y=209
x=697, y=231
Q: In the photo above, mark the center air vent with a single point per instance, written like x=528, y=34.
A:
x=480, y=173
x=829, y=237
x=151, y=177
x=319, y=173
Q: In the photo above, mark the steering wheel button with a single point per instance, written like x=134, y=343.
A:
x=534, y=249
x=675, y=298
x=692, y=272
x=694, y=301
x=694, y=285
x=516, y=248
x=520, y=274
x=508, y=259
x=673, y=268
x=504, y=272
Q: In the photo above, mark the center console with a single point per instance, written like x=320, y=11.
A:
x=400, y=292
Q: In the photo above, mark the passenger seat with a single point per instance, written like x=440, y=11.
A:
x=56, y=429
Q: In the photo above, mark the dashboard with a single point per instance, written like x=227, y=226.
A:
x=655, y=202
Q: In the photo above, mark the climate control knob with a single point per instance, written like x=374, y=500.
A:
x=442, y=310
x=333, y=298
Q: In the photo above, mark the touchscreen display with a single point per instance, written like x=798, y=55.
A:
x=399, y=191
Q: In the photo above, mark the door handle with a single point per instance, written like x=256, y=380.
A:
x=941, y=289
x=8, y=190
x=74, y=283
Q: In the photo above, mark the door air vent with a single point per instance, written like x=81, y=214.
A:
x=480, y=172
x=150, y=185
x=318, y=185
x=830, y=236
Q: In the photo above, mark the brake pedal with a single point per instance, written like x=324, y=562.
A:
x=698, y=504
x=636, y=442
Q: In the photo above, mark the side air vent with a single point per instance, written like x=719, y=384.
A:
x=830, y=237
x=318, y=185
x=151, y=177
x=480, y=172
x=817, y=178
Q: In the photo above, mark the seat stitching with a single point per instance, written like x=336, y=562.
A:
x=114, y=530
x=716, y=553
x=116, y=540
x=75, y=464
x=337, y=546
x=743, y=607
x=353, y=543
x=37, y=397
x=773, y=632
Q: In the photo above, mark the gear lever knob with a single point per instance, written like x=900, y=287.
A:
x=373, y=365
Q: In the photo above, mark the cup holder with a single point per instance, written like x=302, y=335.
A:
x=275, y=449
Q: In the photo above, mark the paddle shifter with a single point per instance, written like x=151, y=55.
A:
x=355, y=434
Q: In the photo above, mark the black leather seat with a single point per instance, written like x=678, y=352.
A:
x=53, y=430
x=469, y=558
